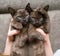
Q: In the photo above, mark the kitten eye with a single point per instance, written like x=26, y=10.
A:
x=18, y=18
x=41, y=19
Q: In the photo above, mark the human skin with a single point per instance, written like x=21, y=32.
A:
x=9, y=41
x=47, y=44
x=12, y=33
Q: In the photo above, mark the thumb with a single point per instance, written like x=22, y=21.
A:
x=41, y=32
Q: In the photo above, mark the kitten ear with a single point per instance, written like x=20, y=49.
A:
x=28, y=8
x=46, y=8
x=12, y=11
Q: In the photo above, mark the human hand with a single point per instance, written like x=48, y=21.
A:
x=47, y=44
x=43, y=34
x=12, y=33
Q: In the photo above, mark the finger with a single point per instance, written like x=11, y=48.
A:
x=41, y=32
x=13, y=32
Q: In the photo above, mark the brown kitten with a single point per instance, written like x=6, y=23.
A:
x=19, y=22
x=38, y=19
